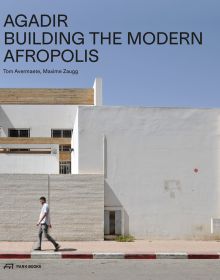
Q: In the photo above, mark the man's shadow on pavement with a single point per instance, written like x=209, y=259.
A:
x=60, y=250
x=67, y=249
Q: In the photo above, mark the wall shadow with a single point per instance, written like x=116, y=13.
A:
x=115, y=202
x=5, y=122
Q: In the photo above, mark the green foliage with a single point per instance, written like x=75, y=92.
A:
x=124, y=238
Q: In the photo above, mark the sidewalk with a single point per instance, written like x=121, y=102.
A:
x=142, y=249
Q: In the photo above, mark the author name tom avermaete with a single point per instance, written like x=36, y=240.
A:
x=41, y=71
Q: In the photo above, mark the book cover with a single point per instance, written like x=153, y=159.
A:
x=109, y=137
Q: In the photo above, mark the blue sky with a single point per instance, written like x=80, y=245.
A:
x=180, y=76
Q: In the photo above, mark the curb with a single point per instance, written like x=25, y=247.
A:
x=102, y=255
x=15, y=256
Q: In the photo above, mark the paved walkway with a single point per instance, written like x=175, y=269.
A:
x=140, y=249
x=139, y=246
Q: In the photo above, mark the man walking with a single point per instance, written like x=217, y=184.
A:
x=44, y=223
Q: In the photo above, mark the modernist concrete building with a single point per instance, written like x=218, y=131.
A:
x=149, y=172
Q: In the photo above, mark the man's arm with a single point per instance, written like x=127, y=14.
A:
x=44, y=215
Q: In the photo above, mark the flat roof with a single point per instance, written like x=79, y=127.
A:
x=47, y=96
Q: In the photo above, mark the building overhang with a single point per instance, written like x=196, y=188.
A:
x=53, y=96
x=44, y=96
x=35, y=140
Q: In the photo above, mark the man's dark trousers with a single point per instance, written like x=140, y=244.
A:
x=43, y=228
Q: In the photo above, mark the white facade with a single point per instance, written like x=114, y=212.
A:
x=40, y=119
x=161, y=166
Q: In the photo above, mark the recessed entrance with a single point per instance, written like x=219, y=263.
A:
x=113, y=221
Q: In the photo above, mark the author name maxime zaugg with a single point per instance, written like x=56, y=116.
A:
x=60, y=44
x=43, y=71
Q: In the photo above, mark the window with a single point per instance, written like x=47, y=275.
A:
x=61, y=133
x=65, y=148
x=56, y=133
x=18, y=132
x=65, y=167
x=112, y=222
x=67, y=133
x=18, y=150
x=26, y=151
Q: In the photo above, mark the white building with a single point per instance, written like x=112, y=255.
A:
x=160, y=165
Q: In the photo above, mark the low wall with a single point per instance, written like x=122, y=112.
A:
x=76, y=205
x=29, y=163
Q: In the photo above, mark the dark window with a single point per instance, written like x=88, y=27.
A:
x=18, y=132
x=67, y=133
x=19, y=150
x=13, y=133
x=24, y=133
x=61, y=133
x=56, y=133
x=65, y=148
x=112, y=222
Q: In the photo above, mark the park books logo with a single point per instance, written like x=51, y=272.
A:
x=11, y=266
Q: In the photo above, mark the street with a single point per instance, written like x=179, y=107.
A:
x=110, y=269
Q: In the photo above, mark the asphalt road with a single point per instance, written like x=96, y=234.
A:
x=111, y=269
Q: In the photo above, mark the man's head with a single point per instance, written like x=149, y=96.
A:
x=42, y=200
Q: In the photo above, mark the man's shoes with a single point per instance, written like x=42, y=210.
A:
x=37, y=249
x=57, y=248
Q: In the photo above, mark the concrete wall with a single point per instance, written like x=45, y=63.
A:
x=161, y=165
x=19, y=205
x=76, y=205
x=40, y=119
